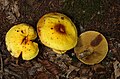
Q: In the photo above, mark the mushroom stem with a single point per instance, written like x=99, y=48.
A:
x=89, y=51
x=59, y=51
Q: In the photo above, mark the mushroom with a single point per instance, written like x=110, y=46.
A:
x=91, y=48
x=57, y=31
x=19, y=40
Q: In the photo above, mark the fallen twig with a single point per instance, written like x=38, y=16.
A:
x=1, y=60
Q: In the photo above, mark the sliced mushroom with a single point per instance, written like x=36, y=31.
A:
x=91, y=48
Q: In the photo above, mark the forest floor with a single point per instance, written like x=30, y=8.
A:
x=98, y=15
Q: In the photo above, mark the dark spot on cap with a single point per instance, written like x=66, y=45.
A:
x=39, y=30
x=60, y=28
x=96, y=41
x=51, y=28
x=62, y=18
x=17, y=30
x=25, y=40
x=22, y=31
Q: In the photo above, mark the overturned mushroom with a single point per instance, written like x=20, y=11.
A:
x=91, y=48
x=19, y=40
x=57, y=31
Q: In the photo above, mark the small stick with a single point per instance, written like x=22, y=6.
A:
x=1, y=60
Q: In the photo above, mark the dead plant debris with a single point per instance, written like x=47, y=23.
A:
x=97, y=15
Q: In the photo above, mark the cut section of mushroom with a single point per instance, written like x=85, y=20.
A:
x=91, y=48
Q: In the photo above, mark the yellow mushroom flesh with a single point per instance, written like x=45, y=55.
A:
x=92, y=47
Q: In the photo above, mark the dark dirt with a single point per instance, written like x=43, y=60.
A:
x=99, y=15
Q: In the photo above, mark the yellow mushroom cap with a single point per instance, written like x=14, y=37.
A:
x=57, y=31
x=19, y=40
x=91, y=48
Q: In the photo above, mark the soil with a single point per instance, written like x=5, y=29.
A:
x=98, y=15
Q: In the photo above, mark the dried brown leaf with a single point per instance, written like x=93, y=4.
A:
x=15, y=9
x=51, y=67
x=116, y=69
x=99, y=68
x=41, y=75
